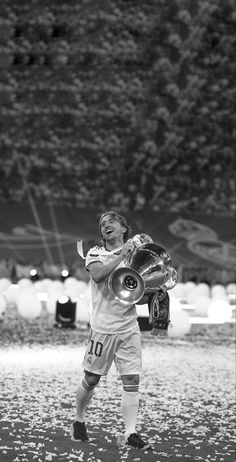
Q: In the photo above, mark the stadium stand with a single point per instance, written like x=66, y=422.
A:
x=126, y=106
x=129, y=105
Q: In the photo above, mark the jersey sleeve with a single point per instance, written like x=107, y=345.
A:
x=93, y=256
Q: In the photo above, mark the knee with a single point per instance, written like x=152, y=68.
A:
x=92, y=379
x=130, y=382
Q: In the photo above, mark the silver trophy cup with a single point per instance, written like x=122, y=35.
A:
x=146, y=269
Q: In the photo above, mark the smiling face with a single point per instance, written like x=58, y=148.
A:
x=112, y=230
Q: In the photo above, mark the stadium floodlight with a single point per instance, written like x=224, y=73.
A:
x=65, y=313
x=64, y=274
x=34, y=275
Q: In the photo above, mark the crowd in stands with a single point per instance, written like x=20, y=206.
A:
x=129, y=104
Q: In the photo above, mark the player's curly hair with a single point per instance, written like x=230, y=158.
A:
x=122, y=220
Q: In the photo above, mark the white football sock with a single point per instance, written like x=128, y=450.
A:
x=83, y=398
x=129, y=407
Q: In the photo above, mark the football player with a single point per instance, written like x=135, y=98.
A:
x=114, y=334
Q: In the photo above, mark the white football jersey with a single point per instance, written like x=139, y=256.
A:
x=108, y=315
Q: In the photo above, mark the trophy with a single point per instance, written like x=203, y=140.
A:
x=146, y=276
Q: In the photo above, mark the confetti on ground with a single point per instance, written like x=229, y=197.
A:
x=187, y=400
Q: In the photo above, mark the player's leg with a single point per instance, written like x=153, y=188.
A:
x=130, y=402
x=97, y=361
x=84, y=394
x=130, y=405
x=128, y=360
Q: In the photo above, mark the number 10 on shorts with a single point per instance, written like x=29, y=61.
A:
x=95, y=348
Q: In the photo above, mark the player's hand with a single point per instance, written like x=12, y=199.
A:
x=127, y=248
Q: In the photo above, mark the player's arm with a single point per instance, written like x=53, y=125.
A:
x=99, y=272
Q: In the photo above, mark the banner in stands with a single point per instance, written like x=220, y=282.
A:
x=50, y=233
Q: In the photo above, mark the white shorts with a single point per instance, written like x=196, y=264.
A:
x=123, y=349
